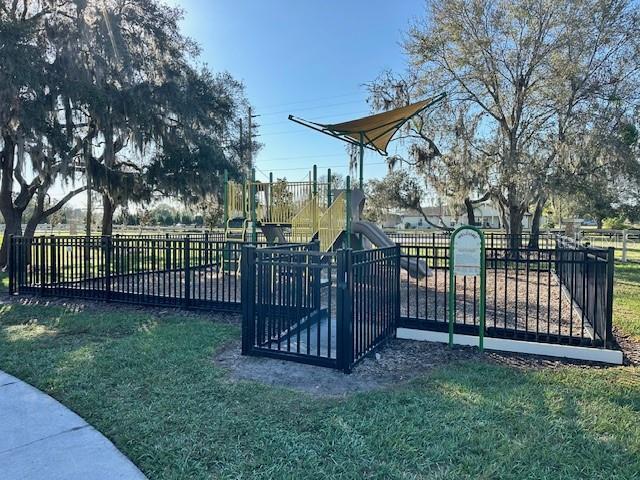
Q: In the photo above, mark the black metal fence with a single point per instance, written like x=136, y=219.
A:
x=493, y=239
x=328, y=309
x=332, y=308
x=185, y=272
x=587, y=275
x=555, y=295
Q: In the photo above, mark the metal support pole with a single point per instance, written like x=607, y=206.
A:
x=348, y=212
x=314, y=215
x=328, y=188
x=361, y=161
x=270, y=196
x=252, y=200
x=315, y=179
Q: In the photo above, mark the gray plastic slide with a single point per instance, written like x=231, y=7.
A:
x=416, y=268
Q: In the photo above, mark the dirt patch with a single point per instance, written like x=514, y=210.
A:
x=396, y=363
x=629, y=347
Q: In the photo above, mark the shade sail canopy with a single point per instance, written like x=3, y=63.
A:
x=374, y=131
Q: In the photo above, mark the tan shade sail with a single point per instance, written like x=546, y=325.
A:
x=373, y=131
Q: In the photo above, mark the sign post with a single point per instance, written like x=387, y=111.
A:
x=467, y=259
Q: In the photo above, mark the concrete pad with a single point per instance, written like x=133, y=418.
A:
x=41, y=438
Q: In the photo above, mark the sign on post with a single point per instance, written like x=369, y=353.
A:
x=467, y=259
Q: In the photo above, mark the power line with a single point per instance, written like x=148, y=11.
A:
x=275, y=159
x=361, y=112
x=261, y=172
x=312, y=108
x=323, y=166
x=310, y=100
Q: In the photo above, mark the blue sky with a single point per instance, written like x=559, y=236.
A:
x=308, y=58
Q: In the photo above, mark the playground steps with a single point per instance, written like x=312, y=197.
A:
x=235, y=231
x=304, y=225
x=332, y=222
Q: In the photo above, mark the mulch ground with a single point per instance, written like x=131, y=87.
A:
x=523, y=301
x=515, y=300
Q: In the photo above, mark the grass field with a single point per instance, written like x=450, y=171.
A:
x=148, y=382
x=626, y=299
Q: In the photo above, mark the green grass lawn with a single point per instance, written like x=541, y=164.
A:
x=148, y=382
x=626, y=299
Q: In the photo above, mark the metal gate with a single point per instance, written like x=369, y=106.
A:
x=321, y=308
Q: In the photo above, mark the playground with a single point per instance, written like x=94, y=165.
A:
x=317, y=283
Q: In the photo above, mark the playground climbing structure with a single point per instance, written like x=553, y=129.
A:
x=304, y=210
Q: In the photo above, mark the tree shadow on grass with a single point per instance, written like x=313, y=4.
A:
x=152, y=389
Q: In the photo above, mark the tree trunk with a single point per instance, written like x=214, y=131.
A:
x=109, y=162
x=107, y=215
x=12, y=218
x=13, y=226
x=534, y=240
x=599, y=223
x=32, y=224
x=514, y=229
x=471, y=214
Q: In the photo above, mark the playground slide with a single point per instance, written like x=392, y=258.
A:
x=416, y=268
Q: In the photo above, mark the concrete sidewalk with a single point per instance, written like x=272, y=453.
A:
x=40, y=438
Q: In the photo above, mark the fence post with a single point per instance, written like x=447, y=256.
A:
x=187, y=272
x=107, y=245
x=344, y=318
x=316, y=275
x=348, y=212
x=609, y=313
x=398, y=291
x=167, y=253
x=206, y=248
x=625, y=241
x=11, y=266
x=43, y=268
x=53, y=259
x=248, y=296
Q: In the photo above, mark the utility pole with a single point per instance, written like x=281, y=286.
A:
x=250, y=133
x=241, y=144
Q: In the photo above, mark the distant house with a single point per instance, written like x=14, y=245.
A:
x=487, y=216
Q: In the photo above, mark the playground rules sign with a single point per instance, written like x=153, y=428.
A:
x=467, y=253
x=466, y=257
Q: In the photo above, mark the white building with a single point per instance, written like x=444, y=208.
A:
x=487, y=216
